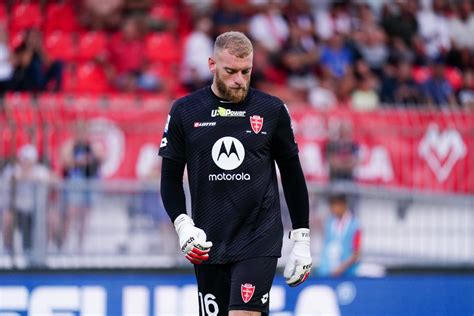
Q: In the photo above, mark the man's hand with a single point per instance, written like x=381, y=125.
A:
x=192, y=239
x=299, y=263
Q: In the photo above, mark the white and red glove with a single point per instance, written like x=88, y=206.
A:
x=192, y=239
x=299, y=263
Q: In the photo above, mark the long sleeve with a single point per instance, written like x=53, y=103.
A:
x=295, y=190
x=172, y=192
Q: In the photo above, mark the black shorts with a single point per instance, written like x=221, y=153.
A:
x=243, y=285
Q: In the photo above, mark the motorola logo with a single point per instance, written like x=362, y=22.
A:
x=228, y=153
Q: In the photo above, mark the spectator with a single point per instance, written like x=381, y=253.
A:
x=322, y=96
x=229, y=17
x=80, y=165
x=198, y=47
x=345, y=87
x=127, y=58
x=200, y=7
x=137, y=6
x=401, y=21
x=334, y=21
x=34, y=70
x=462, y=59
x=401, y=88
x=23, y=181
x=365, y=97
x=466, y=93
x=370, y=40
x=373, y=49
x=342, y=240
x=437, y=90
x=399, y=51
x=6, y=68
x=299, y=56
x=266, y=73
x=269, y=28
x=336, y=57
x=299, y=14
x=461, y=26
x=101, y=14
x=341, y=152
x=433, y=28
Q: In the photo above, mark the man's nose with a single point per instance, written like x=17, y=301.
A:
x=239, y=79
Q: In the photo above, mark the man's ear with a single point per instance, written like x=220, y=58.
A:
x=212, y=65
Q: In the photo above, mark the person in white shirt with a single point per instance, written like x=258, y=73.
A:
x=269, y=28
x=23, y=183
x=461, y=26
x=198, y=46
x=433, y=29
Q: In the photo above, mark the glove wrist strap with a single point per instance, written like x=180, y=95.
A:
x=181, y=221
x=300, y=234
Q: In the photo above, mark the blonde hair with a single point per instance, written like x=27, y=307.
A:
x=236, y=43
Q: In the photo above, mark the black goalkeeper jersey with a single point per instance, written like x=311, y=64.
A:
x=229, y=150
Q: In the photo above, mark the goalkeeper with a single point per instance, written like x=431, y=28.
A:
x=229, y=137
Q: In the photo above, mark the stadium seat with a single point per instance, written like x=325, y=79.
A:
x=20, y=109
x=3, y=12
x=15, y=39
x=454, y=76
x=90, y=78
x=60, y=17
x=24, y=16
x=60, y=45
x=91, y=44
x=163, y=47
x=421, y=73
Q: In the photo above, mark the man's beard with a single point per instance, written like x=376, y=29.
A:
x=234, y=95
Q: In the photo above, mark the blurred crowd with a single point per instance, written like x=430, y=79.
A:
x=357, y=54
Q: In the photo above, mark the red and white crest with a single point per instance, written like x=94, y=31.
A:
x=247, y=290
x=256, y=122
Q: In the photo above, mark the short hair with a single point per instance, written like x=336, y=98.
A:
x=236, y=43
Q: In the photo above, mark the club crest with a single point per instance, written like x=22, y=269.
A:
x=256, y=122
x=247, y=290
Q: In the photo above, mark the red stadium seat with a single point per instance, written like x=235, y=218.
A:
x=163, y=47
x=60, y=45
x=91, y=44
x=24, y=16
x=60, y=17
x=421, y=73
x=454, y=76
x=15, y=39
x=20, y=109
x=3, y=12
x=90, y=78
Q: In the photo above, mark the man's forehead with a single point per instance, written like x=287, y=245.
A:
x=225, y=59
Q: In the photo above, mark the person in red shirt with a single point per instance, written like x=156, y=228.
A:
x=127, y=58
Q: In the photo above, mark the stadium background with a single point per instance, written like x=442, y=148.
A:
x=396, y=78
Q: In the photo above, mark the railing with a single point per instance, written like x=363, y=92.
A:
x=126, y=226
x=414, y=175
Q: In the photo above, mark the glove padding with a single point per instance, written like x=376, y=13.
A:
x=299, y=263
x=192, y=240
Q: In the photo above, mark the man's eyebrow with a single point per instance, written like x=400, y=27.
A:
x=233, y=69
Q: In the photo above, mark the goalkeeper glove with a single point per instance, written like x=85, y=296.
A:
x=192, y=239
x=299, y=263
